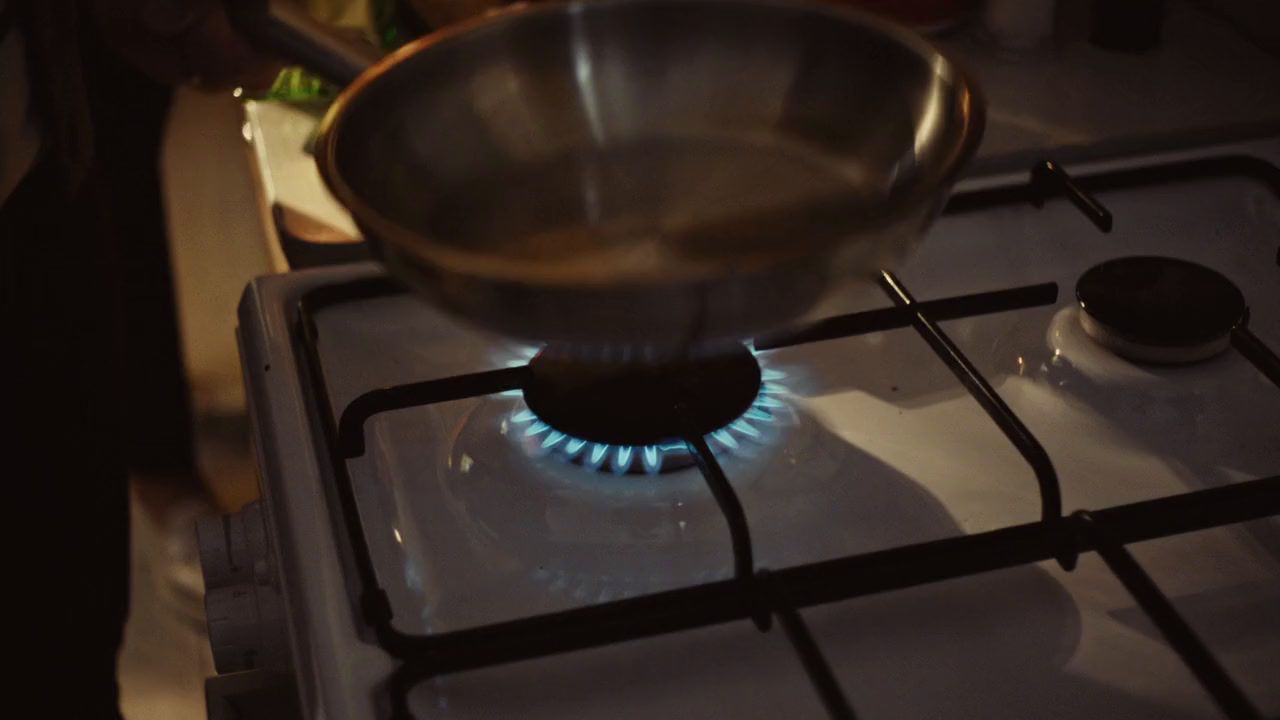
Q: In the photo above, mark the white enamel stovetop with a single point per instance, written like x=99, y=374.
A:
x=872, y=444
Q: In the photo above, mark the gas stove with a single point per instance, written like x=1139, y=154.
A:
x=942, y=498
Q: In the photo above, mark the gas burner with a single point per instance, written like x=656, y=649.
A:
x=632, y=417
x=1159, y=309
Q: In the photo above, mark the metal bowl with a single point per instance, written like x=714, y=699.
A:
x=669, y=174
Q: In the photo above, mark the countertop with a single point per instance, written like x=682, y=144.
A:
x=1206, y=83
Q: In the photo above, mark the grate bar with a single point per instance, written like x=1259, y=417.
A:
x=731, y=508
x=991, y=402
x=399, y=397
x=892, y=318
x=1190, y=648
x=1256, y=352
x=815, y=665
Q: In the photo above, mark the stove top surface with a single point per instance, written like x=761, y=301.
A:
x=475, y=511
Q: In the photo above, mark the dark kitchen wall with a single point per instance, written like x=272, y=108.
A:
x=1259, y=20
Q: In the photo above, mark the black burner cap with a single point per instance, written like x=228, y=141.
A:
x=1160, y=301
x=635, y=403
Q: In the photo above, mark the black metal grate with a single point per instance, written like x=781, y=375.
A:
x=762, y=595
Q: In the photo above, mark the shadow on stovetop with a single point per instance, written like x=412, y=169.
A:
x=1216, y=616
x=999, y=645
x=1004, y=644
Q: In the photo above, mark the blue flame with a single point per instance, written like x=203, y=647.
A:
x=652, y=459
x=748, y=429
x=622, y=460
x=598, y=453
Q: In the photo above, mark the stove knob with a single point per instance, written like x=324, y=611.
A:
x=242, y=600
x=224, y=548
x=234, y=625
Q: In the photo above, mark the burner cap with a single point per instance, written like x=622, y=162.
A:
x=1159, y=309
x=626, y=403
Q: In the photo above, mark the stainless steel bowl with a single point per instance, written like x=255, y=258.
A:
x=659, y=173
